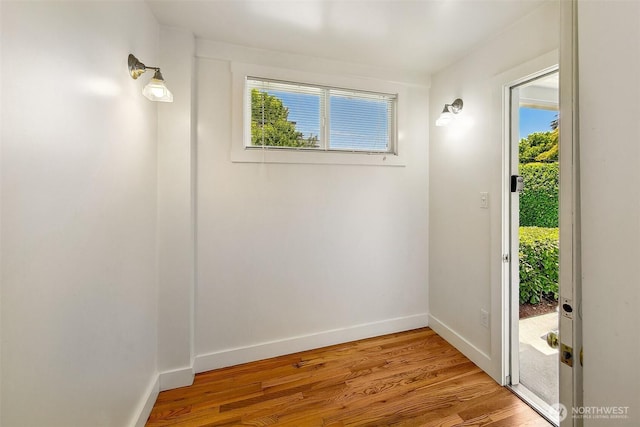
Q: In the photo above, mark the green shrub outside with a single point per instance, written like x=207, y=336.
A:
x=539, y=147
x=539, y=200
x=539, y=268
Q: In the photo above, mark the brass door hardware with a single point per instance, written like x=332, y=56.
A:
x=552, y=339
x=566, y=355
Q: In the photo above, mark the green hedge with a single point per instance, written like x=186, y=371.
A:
x=539, y=200
x=538, y=264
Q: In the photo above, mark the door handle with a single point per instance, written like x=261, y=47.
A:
x=552, y=339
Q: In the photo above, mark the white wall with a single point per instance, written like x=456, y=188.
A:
x=609, y=66
x=294, y=256
x=79, y=293
x=176, y=211
x=466, y=159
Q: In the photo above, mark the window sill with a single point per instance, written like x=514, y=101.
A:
x=260, y=155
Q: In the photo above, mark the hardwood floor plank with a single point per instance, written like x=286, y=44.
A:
x=412, y=378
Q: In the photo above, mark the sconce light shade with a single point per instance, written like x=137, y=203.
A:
x=445, y=117
x=448, y=112
x=156, y=89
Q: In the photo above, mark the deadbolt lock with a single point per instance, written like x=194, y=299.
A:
x=567, y=308
x=566, y=355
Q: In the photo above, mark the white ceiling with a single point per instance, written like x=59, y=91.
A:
x=543, y=92
x=421, y=35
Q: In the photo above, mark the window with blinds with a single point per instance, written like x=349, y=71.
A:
x=301, y=116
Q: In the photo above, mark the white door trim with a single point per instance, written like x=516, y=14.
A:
x=570, y=258
x=504, y=82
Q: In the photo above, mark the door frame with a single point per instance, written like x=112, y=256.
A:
x=511, y=234
x=505, y=82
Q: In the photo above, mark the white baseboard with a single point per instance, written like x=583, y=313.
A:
x=146, y=404
x=177, y=378
x=161, y=382
x=265, y=350
x=476, y=355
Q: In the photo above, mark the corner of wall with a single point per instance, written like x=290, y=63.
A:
x=147, y=401
x=177, y=378
x=476, y=355
x=176, y=211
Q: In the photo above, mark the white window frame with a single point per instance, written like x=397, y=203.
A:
x=241, y=119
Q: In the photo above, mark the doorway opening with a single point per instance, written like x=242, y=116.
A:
x=534, y=242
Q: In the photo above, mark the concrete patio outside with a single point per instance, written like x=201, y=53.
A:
x=538, y=361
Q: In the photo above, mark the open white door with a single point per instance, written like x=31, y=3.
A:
x=569, y=359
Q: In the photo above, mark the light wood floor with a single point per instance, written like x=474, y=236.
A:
x=412, y=378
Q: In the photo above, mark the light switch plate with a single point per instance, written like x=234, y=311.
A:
x=484, y=200
x=484, y=318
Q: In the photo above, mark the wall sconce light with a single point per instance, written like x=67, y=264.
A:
x=156, y=89
x=448, y=113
